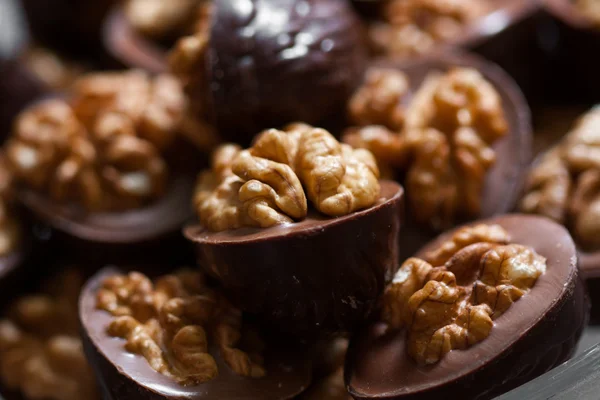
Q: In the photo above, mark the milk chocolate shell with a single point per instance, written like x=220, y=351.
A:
x=271, y=62
x=123, y=375
x=314, y=276
x=130, y=48
x=537, y=333
x=505, y=179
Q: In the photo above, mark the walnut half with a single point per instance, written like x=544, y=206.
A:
x=269, y=183
x=565, y=184
x=171, y=321
x=444, y=143
x=41, y=354
x=104, y=148
x=415, y=26
x=451, y=304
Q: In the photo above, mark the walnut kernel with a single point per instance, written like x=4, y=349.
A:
x=171, y=322
x=451, y=303
x=265, y=185
x=414, y=26
x=103, y=150
x=445, y=146
x=41, y=354
x=565, y=184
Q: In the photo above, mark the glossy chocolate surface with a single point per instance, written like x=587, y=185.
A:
x=123, y=375
x=272, y=62
x=310, y=277
x=164, y=217
x=537, y=333
x=129, y=47
x=502, y=15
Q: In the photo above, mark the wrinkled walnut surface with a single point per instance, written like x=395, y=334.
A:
x=441, y=139
x=104, y=148
x=41, y=354
x=187, y=61
x=449, y=300
x=269, y=183
x=412, y=27
x=564, y=185
x=174, y=321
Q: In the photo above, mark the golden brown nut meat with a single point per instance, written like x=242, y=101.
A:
x=415, y=26
x=265, y=185
x=565, y=184
x=451, y=304
x=379, y=101
x=548, y=187
x=170, y=323
x=104, y=150
x=445, y=148
x=41, y=354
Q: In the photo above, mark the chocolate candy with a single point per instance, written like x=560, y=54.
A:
x=272, y=62
x=126, y=376
x=314, y=276
x=538, y=332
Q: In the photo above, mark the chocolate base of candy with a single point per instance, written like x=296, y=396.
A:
x=310, y=277
x=539, y=332
x=128, y=47
x=164, y=216
x=123, y=375
x=149, y=234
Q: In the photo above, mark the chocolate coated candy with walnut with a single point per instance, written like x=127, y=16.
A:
x=40, y=351
x=565, y=183
x=265, y=185
x=451, y=303
x=169, y=322
x=412, y=27
x=103, y=149
x=444, y=147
